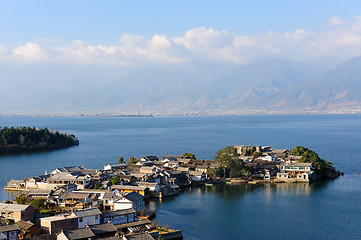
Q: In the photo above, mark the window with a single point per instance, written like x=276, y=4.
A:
x=96, y=217
x=81, y=219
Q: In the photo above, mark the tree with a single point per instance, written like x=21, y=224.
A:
x=121, y=159
x=231, y=164
x=298, y=151
x=115, y=180
x=21, y=199
x=309, y=156
x=38, y=203
x=256, y=154
x=132, y=160
x=189, y=155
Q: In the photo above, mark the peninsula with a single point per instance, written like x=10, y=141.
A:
x=75, y=201
x=26, y=139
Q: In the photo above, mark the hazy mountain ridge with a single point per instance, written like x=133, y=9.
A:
x=272, y=86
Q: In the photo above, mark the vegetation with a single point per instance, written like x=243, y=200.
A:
x=322, y=167
x=38, y=203
x=21, y=199
x=32, y=139
x=115, y=180
x=121, y=160
x=189, y=155
x=132, y=160
x=230, y=164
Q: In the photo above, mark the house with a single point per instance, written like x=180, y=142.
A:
x=302, y=172
x=71, y=169
x=269, y=158
x=139, y=236
x=108, y=200
x=103, y=230
x=54, y=224
x=15, y=184
x=119, y=216
x=149, y=158
x=197, y=176
x=171, y=165
x=137, y=226
x=150, y=170
x=9, y=232
x=129, y=188
x=78, y=234
x=62, y=178
x=131, y=200
x=78, y=200
x=27, y=229
x=296, y=167
x=37, y=193
x=152, y=186
x=16, y=212
x=87, y=217
x=114, y=167
x=202, y=168
x=32, y=182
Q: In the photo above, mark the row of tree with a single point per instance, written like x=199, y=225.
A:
x=26, y=138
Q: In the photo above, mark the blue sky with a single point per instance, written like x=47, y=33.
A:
x=143, y=32
x=103, y=22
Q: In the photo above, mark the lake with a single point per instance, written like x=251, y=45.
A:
x=322, y=210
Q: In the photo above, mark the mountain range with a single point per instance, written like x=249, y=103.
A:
x=272, y=86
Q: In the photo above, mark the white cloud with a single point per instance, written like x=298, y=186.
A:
x=31, y=52
x=204, y=38
x=3, y=50
x=337, y=21
x=297, y=36
x=204, y=44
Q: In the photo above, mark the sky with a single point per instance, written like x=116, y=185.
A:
x=72, y=46
x=133, y=32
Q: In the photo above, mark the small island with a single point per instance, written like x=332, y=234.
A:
x=27, y=139
x=254, y=164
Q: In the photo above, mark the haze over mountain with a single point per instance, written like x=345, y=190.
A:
x=269, y=86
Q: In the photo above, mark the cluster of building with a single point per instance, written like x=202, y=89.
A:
x=93, y=205
x=275, y=165
x=109, y=202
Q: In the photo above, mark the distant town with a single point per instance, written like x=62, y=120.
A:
x=78, y=203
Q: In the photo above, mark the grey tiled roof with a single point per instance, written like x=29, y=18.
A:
x=87, y=212
x=105, y=228
x=133, y=196
x=118, y=212
x=79, y=234
x=139, y=236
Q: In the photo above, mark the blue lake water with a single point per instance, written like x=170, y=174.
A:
x=326, y=210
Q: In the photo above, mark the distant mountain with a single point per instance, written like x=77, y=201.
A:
x=280, y=86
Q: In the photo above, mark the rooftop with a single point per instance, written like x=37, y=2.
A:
x=87, y=212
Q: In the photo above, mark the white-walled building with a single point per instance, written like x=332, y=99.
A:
x=87, y=217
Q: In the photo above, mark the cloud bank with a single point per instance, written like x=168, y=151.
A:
x=341, y=39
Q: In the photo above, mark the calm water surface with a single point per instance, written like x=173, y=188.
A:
x=328, y=210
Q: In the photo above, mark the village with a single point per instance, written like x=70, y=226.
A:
x=77, y=203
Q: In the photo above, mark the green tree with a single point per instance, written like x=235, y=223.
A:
x=115, y=180
x=38, y=203
x=132, y=160
x=256, y=154
x=309, y=156
x=298, y=151
x=189, y=155
x=21, y=199
x=230, y=162
x=121, y=159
